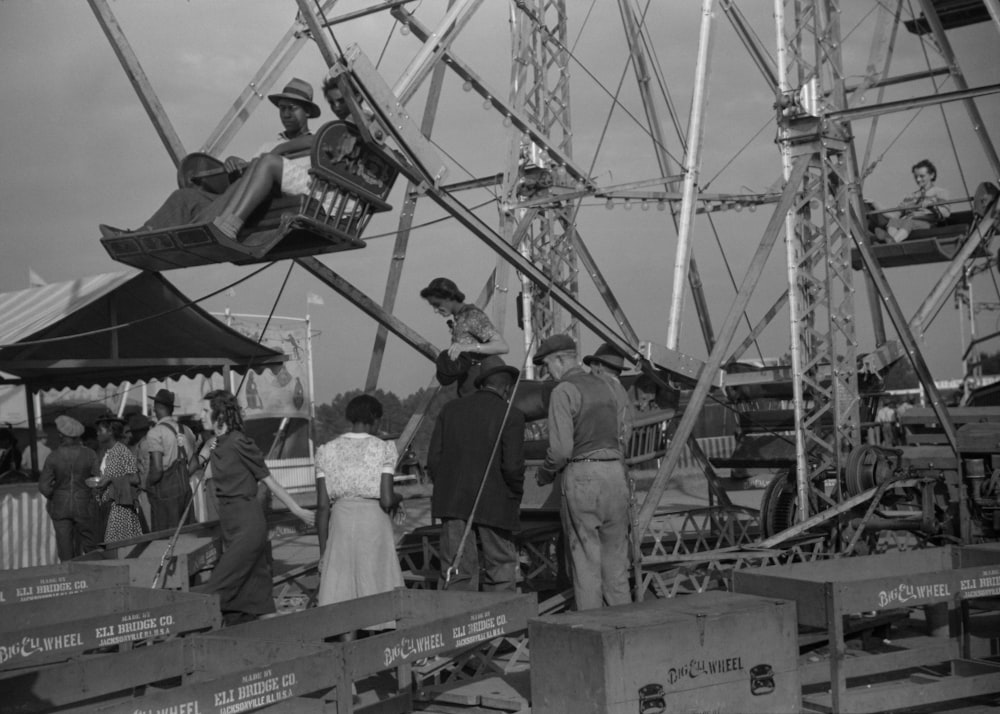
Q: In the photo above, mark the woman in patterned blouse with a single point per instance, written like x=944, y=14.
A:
x=116, y=479
x=355, y=473
x=472, y=333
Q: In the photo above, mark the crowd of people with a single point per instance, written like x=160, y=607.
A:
x=144, y=474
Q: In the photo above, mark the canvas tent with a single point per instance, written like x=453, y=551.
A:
x=112, y=328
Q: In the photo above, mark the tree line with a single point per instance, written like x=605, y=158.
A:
x=330, y=421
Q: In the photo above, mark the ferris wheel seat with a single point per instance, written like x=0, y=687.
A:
x=278, y=233
x=952, y=13
x=928, y=245
x=350, y=181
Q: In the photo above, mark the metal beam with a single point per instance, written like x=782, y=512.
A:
x=347, y=16
x=140, y=82
x=641, y=66
x=902, y=105
x=692, y=169
x=250, y=97
x=705, y=382
x=978, y=126
x=921, y=320
x=478, y=85
x=371, y=308
x=435, y=47
x=753, y=45
x=402, y=237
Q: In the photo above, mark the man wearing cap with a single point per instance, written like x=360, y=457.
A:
x=63, y=482
x=606, y=362
x=170, y=446
x=461, y=457
x=193, y=204
x=589, y=424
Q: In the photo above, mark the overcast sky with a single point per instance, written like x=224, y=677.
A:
x=78, y=150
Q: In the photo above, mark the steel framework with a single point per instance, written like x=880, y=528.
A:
x=818, y=210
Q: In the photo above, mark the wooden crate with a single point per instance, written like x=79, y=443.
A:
x=276, y=660
x=192, y=553
x=716, y=651
x=828, y=591
x=38, y=632
x=45, y=581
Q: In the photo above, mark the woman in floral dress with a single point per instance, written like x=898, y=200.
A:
x=117, y=480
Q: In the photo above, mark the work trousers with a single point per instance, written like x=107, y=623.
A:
x=594, y=512
x=167, y=501
x=75, y=521
x=499, y=557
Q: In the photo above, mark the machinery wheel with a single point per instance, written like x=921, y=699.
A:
x=779, y=505
x=867, y=466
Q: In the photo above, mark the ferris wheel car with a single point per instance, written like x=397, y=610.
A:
x=942, y=242
x=349, y=182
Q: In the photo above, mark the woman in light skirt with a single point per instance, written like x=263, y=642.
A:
x=354, y=485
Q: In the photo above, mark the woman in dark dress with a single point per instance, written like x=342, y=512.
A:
x=242, y=576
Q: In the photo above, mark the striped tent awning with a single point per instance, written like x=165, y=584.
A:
x=112, y=328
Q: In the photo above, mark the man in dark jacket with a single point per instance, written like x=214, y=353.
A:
x=71, y=503
x=460, y=450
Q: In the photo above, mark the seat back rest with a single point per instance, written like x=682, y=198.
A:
x=341, y=157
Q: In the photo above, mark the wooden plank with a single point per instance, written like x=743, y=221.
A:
x=480, y=620
x=245, y=689
x=320, y=623
x=939, y=650
x=898, y=695
x=33, y=633
x=76, y=682
x=26, y=584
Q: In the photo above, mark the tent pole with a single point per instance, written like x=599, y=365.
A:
x=29, y=398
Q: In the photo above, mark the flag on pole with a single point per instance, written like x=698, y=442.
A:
x=314, y=299
x=35, y=280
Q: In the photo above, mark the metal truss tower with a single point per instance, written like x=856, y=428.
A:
x=544, y=235
x=818, y=244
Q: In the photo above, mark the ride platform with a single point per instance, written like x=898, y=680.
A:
x=290, y=661
x=827, y=592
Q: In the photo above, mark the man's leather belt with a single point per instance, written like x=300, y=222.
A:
x=577, y=461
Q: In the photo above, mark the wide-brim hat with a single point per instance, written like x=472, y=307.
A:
x=553, y=344
x=608, y=356
x=494, y=365
x=108, y=419
x=300, y=91
x=164, y=397
x=138, y=422
x=451, y=370
x=68, y=426
x=442, y=288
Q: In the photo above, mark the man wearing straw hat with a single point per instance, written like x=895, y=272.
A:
x=63, y=482
x=589, y=425
x=192, y=203
x=473, y=445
